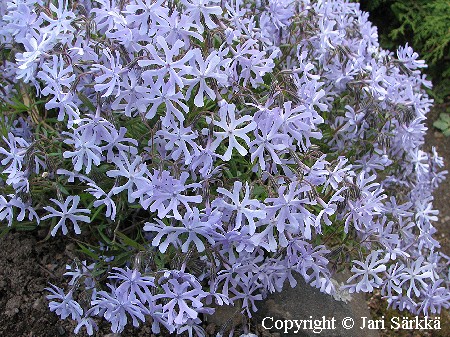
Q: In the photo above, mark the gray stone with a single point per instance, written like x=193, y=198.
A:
x=307, y=303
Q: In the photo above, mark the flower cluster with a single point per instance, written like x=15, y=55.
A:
x=223, y=146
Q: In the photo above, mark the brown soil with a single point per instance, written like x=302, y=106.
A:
x=26, y=268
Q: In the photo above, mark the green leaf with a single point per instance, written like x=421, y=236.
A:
x=445, y=117
x=97, y=212
x=259, y=191
x=4, y=231
x=129, y=242
x=105, y=238
x=86, y=102
x=122, y=258
x=87, y=251
x=441, y=125
x=63, y=189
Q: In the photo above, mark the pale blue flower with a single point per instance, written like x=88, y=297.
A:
x=68, y=213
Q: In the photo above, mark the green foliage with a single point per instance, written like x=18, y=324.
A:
x=425, y=25
x=443, y=123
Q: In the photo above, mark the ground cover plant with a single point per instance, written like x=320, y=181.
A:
x=205, y=152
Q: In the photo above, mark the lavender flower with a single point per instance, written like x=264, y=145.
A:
x=246, y=210
x=183, y=295
x=115, y=305
x=229, y=124
x=67, y=307
x=72, y=214
x=367, y=274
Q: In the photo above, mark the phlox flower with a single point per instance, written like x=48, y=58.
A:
x=327, y=126
x=309, y=261
x=425, y=212
x=183, y=298
x=133, y=283
x=391, y=285
x=133, y=97
x=67, y=307
x=173, y=102
x=22, y=21
x=76, y=273
x=409, y=58
x=147, y=15
x=416, y=273
x=117, y=141
x=86, y=152
x=268, y=139
x=62, y=23
x=368, y=274
x=190, y=326
x=180, y=142
x=280, y=11
x=35, y=48
x=56, y=75
x=72, y=214
x=289, y=209
x=108, y=16
x=229, y=124
x=253, y=63
x=197, y=9
x=13, y=156
x=112, y=73
x=180, y=27
x=88, y=323
x=174, y=69
x=169, y=193
x=204, y=160
x=246, y=209
x=436, y=297
x=135, y=171
x=64, y=104
x=103, y=198
x=336, y=175
x=208, y=68
x=115, y=305
x=194, y=224
x=6, y=210
x=95, y=127
x=24, y=207
x=248, y=293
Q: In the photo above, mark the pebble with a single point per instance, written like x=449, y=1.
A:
x=51, y=266
x=70, y=251
x=37, y=303
x=61, y=330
